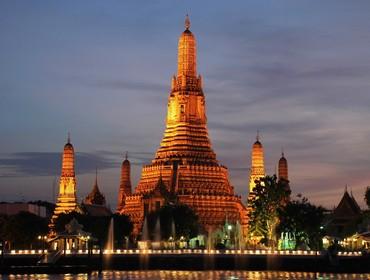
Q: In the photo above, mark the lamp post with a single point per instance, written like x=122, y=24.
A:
x=229, y=228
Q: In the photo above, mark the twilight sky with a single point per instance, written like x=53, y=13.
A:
x=299, y=71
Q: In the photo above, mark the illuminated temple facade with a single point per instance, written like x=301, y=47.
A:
x=67, y=199
x=185, y=166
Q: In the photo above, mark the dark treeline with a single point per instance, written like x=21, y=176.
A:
x=21, y=231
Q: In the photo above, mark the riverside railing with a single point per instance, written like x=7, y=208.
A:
x=187, y=251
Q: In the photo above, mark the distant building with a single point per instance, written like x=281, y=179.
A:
x=14, y=208
x=95, y=197
x=95, y=204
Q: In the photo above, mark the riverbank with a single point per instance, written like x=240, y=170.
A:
x=188, y=260
x=182, y=260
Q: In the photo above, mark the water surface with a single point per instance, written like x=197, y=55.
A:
x=192, y=275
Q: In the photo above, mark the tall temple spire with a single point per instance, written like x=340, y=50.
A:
x=257, y=169
x=125, y=183
x=187, y=53
x=96, y=176
x=283, y=167
x=186, y=135
x=67, y=198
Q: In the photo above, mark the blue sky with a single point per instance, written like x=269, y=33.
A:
x=296, y=70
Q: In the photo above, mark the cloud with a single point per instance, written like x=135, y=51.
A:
x=49, y=164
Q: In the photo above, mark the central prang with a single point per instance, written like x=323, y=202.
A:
x=185, y=164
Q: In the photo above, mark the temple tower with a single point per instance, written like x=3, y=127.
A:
x=257, y=169
x=125, y=183
x=283, y=168
x=185, y=163
x=67, y=199
x=95, y=197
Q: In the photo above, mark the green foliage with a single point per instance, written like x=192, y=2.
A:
x=181, y=216
x=21, y=230
x=367, y=196
x=269, y=198
x=98, y=226
x=304, y=220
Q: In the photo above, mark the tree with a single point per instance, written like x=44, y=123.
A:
x=367, y=196
x=180, y=216
x=304, y=220
x=98, y=226
x=22, y=229
x=268, y=198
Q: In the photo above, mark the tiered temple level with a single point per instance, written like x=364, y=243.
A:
x=185, y=163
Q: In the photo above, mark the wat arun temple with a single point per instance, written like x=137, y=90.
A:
x=185, y=168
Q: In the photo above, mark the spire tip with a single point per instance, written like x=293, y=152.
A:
x=187, y=22
x=96, y=176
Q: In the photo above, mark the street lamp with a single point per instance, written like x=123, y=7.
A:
x=229, y=228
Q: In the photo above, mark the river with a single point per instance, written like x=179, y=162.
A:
x=184, y=275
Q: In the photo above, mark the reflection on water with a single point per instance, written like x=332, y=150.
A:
x=192, y=275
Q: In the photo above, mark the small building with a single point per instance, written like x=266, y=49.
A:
x=72, y=239
x=345, y=218
x=358, y=241
x=95, y=204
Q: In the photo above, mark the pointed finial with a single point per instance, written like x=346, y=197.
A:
x=282, y=152
x=351, y=192
x=126, y=155
x=187, y=22
x=96, y=176
x=69, y=138
x=345, y=188
x=258, y=135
